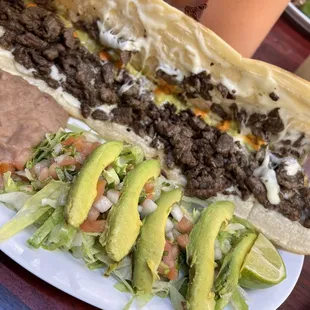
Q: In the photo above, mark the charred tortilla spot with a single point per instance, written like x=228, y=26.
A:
x=274, y=96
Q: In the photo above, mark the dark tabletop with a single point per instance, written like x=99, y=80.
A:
x=20, y=290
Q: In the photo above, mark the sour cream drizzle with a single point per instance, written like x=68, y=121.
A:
x=269, y=178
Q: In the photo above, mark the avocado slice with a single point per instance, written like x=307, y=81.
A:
x=228, y=276
x=200, y=254
x=84, y=189
x=123, y=222
x=151, y=242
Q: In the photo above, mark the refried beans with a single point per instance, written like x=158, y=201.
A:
x=26, y=115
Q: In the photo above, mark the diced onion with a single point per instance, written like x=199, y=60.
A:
x=177, y=213
x=170, y=235
x=149, y=206
x=169, y=225
x=39, y=166
x=103, y=204
x=113, y=195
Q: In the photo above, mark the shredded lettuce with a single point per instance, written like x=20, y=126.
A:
x=196, y=201
x=61, y=236
x=111, y=177
x=46, y=149
x=238, y=299
x=177, y=299
x=41, y=234
x=130, y=157
x=33, y=209
x=14, y=200
x=9, y=184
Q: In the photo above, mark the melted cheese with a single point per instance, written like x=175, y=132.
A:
x=291, y=166
x=269, y=178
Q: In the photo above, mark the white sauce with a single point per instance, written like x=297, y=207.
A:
x=125, y=87
x=269, y=178
x=291, y=166
x=170, y=71
x=56, y=75
x=107, y=108
x=21, y=69
x=112, y=39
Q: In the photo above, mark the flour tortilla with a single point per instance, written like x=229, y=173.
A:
x=177, y=41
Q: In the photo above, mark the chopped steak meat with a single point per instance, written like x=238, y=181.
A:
x=211, y=160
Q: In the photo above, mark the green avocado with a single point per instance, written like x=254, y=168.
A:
x=200, y=254
x=123, y=222
x=151, y=243
x=228, y=276
x=84, y=189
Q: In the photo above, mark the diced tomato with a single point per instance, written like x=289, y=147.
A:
x=100, y=188
x=44, y=174
x=93, y=214
x=173, y=274
x=93, y=226
x=5, y=167
x=104, y=56
x=67, y=161
x=185, y=226
x=149, y=187
x=88, y=148
x=77, y=142
x=149, y=190
x=71, y=140
x=172, y=253
x=81, y=145
x=183, y=240
x=52, y=171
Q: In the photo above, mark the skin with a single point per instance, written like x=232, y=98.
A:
x=151, y=243
x=123, y=223
x=84, y=189
x=243, y=24
x=200, y=254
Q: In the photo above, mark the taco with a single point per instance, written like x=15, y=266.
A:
x=140, y=71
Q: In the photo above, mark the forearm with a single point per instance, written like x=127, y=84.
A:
x=242, y=23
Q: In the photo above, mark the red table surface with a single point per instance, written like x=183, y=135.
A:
x=20, y=290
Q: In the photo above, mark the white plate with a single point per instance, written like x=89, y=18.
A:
x=72, y=276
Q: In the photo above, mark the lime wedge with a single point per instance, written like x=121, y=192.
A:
x=263, y=266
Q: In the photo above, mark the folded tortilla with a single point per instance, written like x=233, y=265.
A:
x=166, y=38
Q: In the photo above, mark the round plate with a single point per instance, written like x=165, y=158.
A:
x=299, y=17
x=70, y=275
